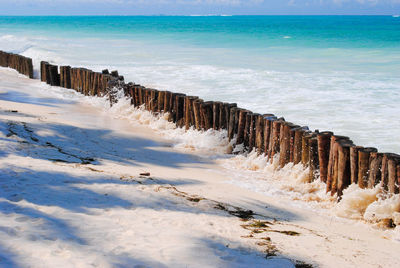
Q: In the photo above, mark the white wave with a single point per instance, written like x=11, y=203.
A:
x=372, y=205
x=215, y=74
x=207, y=142
x=257, y=173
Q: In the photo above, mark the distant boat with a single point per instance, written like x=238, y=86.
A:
x=396, y=16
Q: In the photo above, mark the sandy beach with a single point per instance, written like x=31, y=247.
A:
x=83, y=185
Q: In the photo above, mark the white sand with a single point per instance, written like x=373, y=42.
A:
x=71, y=195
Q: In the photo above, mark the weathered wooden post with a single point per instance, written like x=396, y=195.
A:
x=241, y=126
x=168, y=102
x=154, y=100
x=189, y=115
x=43, y=71
x=354, y=163
x=252, y=131
x=216, y=110
x=274, y=145
x=363, y=165
x=54, y=76
x=259, y=133
x=375, y=165
x=222, y=116
x=393, y=161
x=179, y=109
x=227, y=108
x=197, y=113
x=291, y=144
x=313, y=163
x=161, y=101
x=95, y=86
x=206, y=109
x=246, y=134
x=268, y=119
x=343, y=177
x=298, y=143
x=324, y=140
x=331, y=180
x=232, y=121
x=284, y=146
x=305, y=147
x=65, y=76
x=3, y=59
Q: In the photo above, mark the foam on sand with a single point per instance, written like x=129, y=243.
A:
x=257, y=173
x=126, y=214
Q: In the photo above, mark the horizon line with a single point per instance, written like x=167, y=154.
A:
x=183, y=15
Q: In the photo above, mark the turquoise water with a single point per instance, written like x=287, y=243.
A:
x=328, y=72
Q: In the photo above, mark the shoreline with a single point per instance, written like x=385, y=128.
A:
x=315, y=230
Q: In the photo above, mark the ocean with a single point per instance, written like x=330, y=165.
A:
x=338, y=73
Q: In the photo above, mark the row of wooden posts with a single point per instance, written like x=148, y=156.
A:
x=17, y=62
x=335, y=159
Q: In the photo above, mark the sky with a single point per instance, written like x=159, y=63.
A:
x=199, y=7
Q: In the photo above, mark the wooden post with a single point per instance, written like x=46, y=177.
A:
x=189, y=115
x=363, y=166
x=343, y=177
x=268, y=118
x=28, y=67
x=197, y=113
x=232, y=120
x=161, y=100
x=292, y=137
x=167, y=101
x=3, y=59
x=253, y=133
x=324, y=139
x=246, y=134
x=284, y=146
x=227, y=113
x=274, y=144
x=86, y=74
x=43, y=71
x=354, y=163
x=259, y=131
x=305, y=150
x=313, y=163
x=62, y=74
x=206, y=109
x=241, y=126
x=147, y=98
x=393, y=162
x=398, y=173
x=179, y=109
x=154, y=100
x=95, y=86
x=375, y=165
x=223, y=123
x=114, y=73
x=297, y=144
x=331, y=178
x=65, y=79
x=54, y=76
x=216, y=111
x=139, y=95
x=384, y=171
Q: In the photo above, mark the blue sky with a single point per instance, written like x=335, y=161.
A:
x=201, y=7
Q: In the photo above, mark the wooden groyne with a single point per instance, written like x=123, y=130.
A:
x=17, y=62
x=332, y=158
